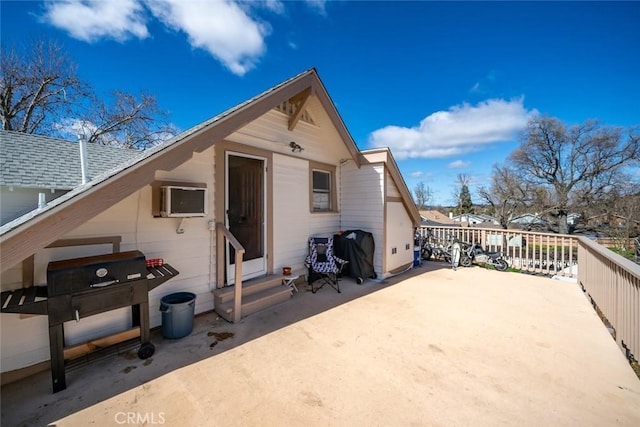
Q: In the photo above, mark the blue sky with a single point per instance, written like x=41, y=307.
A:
x=447, y=86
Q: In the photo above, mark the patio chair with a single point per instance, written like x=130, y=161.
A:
x=324, y=267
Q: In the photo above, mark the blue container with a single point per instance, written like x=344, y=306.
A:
x=177, y=314
x=416, y=256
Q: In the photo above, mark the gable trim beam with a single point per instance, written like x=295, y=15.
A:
x=301, y=99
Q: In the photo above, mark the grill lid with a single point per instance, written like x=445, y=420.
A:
x=80, y=274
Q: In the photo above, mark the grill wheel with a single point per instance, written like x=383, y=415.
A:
x=146, y=351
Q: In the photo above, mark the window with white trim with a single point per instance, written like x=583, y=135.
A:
x=322, y=191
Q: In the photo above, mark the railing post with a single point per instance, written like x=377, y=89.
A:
x=221, y=233
x=219, y=259
x=237, y=305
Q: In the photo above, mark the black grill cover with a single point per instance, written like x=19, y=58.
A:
x=358, y=251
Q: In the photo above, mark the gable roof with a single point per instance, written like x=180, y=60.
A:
x=383, y=155
x=35, y=161
x=35, y=230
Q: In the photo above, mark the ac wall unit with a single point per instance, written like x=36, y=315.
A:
x=183, y=201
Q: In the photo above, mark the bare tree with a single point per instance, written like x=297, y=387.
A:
x=129, y=122
x=623, y=207
x=39, y=87
x=575, y=163
x=422, y=195
x=507, y=194
x=42, y=94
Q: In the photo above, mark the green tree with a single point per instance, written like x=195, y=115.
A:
x=463, y=195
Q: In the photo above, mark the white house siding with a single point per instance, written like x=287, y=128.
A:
x=362, y=205
x=193, y=252
x=392, y=189
x=399, y=236
x=399, y=228
x=270, y=132
x=293, y=223
x=291, y=211
x=26, y=341
x=11, y=278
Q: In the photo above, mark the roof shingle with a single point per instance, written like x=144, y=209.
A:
x=35, y=161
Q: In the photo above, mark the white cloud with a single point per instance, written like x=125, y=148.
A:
x=226, y=29
x=416, y=174
x=222, y=28
x=459, y=164
x=275, y=6
x=72, y=128
x=318, y=5
x=461, y=129
x=92, y=20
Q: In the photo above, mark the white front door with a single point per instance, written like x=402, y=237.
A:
x=245, y=204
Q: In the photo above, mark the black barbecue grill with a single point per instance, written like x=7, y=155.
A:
x=81, y=287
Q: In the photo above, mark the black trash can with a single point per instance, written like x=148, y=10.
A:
x=177, y=314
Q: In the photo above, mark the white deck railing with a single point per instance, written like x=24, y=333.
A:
x=612, y=282
x=537, y=253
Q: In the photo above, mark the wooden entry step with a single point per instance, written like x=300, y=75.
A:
x=257, y=294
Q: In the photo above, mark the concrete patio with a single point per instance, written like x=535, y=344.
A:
x=429, y=347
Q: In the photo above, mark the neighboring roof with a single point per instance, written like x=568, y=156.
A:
x=379, y=155
x=34, y=161
x=478, y=217
x=483, y=219
x=488, y=218
x=35, y=230
x=433, y=217
x=528, y=219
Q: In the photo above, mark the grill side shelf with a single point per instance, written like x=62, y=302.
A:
x=158, y=275
x=23, y=301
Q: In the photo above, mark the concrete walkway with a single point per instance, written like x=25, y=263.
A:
x=431, y=347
